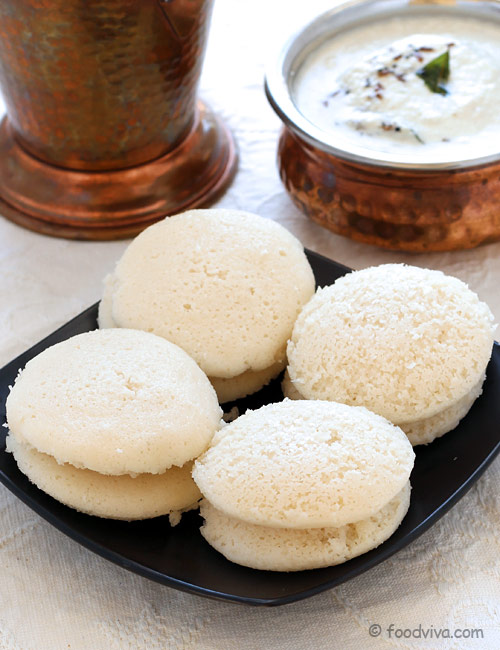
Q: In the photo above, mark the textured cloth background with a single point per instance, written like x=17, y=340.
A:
x=56, y=595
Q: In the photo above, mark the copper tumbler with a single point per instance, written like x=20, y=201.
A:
x=104, y=134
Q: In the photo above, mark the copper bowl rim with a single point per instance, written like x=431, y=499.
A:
x=284, y=65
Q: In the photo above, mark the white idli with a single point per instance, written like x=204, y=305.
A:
x=291, y=549
x=115, y=497
x=114, y=401
x=304, y=464
x=224, y=285
x=405, y=342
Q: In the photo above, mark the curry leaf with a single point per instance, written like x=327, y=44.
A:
x=436, y=72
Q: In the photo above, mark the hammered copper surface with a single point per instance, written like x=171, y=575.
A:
x=101, y=84
x=93, y=87
x=398, y=209
x=115, y=204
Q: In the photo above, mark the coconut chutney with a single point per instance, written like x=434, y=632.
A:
x=415, y=85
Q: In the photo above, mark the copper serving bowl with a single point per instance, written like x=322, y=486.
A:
x=375, y=197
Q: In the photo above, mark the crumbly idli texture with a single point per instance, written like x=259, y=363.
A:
x=113, y=497
x=419, y=432
x=291, y=549
x=405, y=342
x=422, y=432
x=227, y=388
x=105, y=316
x=245, y=384
x=304, y=464
x=289, y=389
x=115, y=401
x=224, y=285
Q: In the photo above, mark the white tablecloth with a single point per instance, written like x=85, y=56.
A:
x=56, y=595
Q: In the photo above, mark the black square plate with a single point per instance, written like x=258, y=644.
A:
x=179, y=557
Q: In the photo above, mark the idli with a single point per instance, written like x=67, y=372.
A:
x=116, y=402
x=304, y=464
x=408, y=343
x=224, y=285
